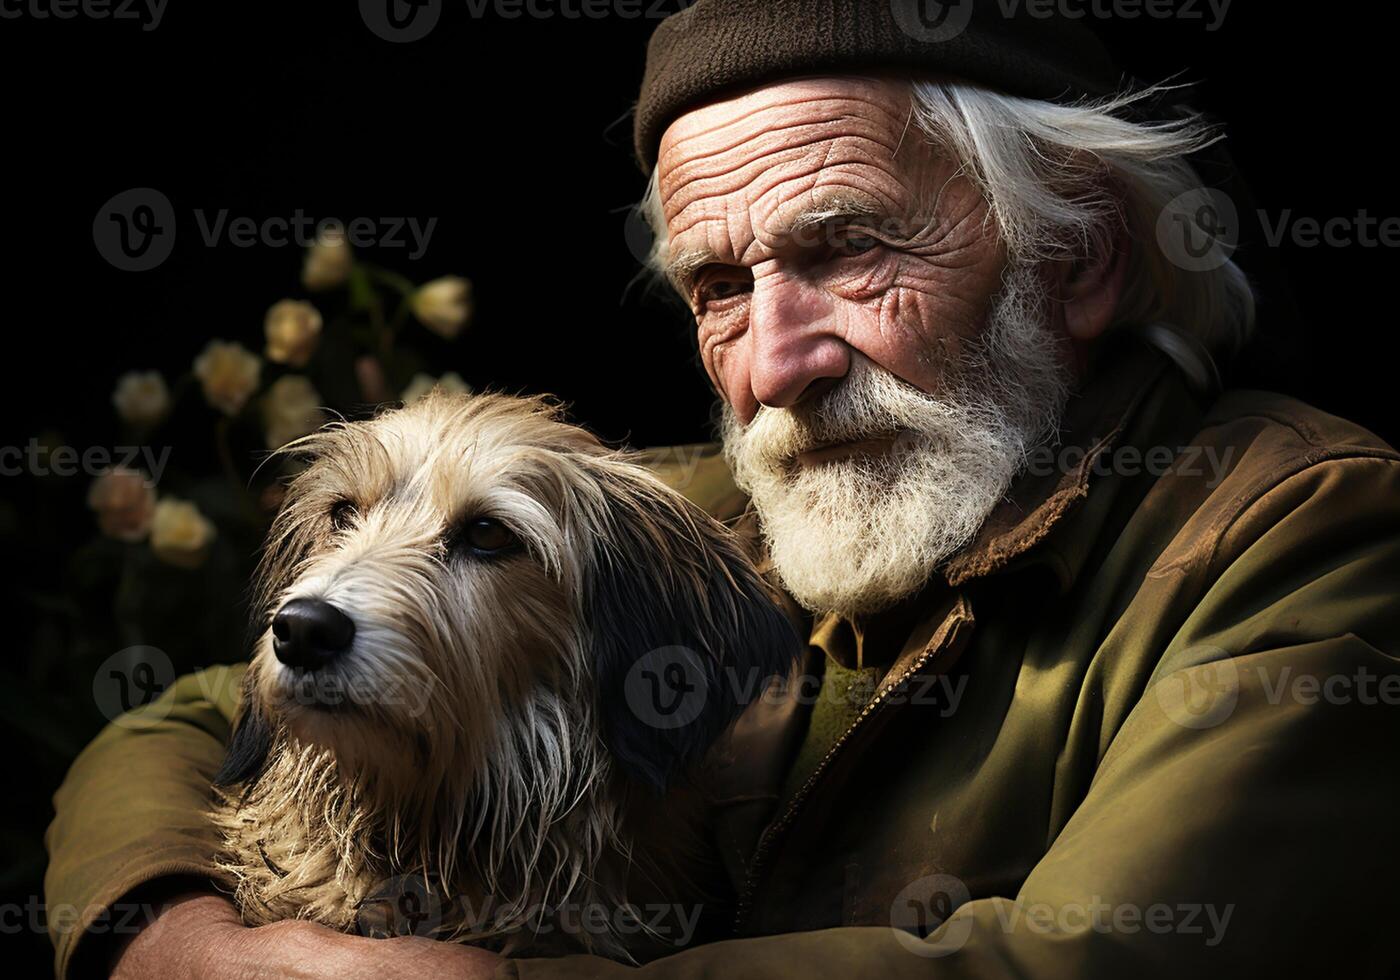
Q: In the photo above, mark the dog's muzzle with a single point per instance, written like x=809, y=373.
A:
x=310, y=633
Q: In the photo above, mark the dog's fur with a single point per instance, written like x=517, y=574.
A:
x=477, y=736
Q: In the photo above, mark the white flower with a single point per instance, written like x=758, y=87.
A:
x=180, y=534
x=293, y=328
x=142, y=397
x=444, y=305
x=229, y=374
x=421, y=384
x=124, y=501
x=291, y=409
x=327, y=262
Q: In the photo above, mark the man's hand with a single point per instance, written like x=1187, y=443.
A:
x=199, y=936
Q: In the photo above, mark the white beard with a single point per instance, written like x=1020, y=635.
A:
x=858, y=534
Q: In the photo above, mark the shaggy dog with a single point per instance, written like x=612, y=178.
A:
x=467, y=610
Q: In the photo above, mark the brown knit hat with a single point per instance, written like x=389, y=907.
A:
x=719, y=47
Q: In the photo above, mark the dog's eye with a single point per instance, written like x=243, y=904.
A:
x=486, y=536
x=342, y=514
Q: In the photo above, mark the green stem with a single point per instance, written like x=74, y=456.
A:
x=392, y=279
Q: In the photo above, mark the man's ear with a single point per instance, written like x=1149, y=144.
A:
x=1088, y=288
x=685, y=633
x=250, y=743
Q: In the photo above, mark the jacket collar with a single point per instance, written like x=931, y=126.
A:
x=1049, y=517
x=1125, y=400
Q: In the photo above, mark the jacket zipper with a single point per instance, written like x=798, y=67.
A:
x=780, y=825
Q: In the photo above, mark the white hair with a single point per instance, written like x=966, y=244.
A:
x=1061, y=180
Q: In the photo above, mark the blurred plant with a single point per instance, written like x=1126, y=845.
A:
x=340, y=357
x=142, y=399
x=125, y=502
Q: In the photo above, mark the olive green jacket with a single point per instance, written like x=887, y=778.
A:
x=1145, y=724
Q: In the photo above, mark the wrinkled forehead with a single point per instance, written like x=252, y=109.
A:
x=786, y=145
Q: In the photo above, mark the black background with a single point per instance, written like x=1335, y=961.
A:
x=514, y=134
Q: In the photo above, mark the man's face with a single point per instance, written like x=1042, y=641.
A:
x=808, y=222
x=884, y=365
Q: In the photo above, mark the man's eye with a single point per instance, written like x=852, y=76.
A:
x=486, y=536
x=856, y=244
x=342, y=514
x=719, y=290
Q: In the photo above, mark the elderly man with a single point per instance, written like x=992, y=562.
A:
x=1101, y=677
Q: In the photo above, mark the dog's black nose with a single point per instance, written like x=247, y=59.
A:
x=310, y=633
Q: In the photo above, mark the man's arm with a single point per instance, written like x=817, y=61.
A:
x=131, y=812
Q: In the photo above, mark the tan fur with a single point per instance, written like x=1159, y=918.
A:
x=470, y=758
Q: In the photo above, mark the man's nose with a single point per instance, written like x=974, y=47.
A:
x=310, y=633
x=796, y=351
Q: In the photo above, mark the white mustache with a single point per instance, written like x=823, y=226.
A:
x=869, y=403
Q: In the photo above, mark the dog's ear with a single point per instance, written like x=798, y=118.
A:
x=685, y=633
x=250, y=743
